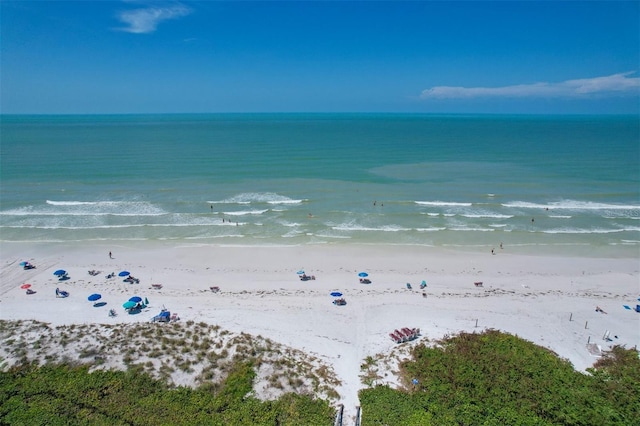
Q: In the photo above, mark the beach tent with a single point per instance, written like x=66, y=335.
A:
x=163, y=316
x=129, y=304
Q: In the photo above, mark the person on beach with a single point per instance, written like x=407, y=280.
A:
x=110, y=255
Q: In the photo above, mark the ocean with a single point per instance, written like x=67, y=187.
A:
x=471, y=182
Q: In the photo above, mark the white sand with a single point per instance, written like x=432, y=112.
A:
x=530, y=296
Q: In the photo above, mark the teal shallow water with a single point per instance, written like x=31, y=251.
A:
x=569, y=183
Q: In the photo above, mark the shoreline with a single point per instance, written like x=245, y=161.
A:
x=547, y=299
x=609, y=251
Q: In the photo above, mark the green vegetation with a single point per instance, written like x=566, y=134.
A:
x=498, y=379
x=66, y=395
x=189, y=353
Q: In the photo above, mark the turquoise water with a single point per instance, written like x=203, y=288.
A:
x=569, y=182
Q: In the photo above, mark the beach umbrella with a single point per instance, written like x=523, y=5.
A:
x=124, y=273
x=59, y=272
x=363, y=274
x=94, y=297
x=136, y=299
x=300, y=272
x=24, y=263
x=336, y=294
x=129, y=304
x=25, y=286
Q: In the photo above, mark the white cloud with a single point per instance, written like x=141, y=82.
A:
x=146, y=20
x=616, y=83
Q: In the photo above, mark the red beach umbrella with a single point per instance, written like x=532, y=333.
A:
x=25, y=286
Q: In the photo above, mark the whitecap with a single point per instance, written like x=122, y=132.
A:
x=571, y=205
x=257, y=197
x=492, y=216
x=443, y=203
x=246, y=212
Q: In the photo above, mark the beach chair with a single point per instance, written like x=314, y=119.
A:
x=163, y=316
x=408, y=286
x=214, y=289
x=407, y=333
x=478, y=283
x=29, y=291
x=156, y=286
x=174, y=317
x=112, y=313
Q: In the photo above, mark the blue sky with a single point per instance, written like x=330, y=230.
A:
x=434, y=57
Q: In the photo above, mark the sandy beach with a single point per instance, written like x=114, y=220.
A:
x=548, y=300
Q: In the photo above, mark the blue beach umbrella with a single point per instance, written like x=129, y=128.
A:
x=94, y=297
x=136, y=299
x=336, y=294
x=363, y=274
x=300, y=272
x=24, y=263
x=59, y=272
x=124, y=274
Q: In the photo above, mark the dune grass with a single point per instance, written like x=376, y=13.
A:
x=493, y=378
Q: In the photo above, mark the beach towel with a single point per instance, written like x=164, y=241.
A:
x=627, y=307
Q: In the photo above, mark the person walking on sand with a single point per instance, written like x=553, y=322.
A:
x=110, y=255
